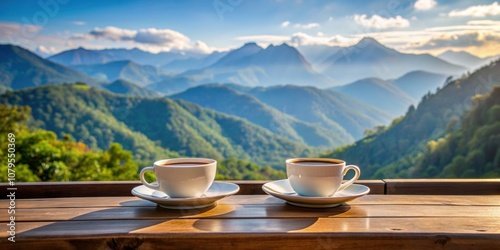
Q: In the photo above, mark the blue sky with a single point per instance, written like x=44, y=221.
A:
x=424, y=26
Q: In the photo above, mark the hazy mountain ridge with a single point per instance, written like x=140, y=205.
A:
x=141, y=75
x=465, y=59
x=418, y=83
x=369, y=58
x=83, y=56
x=21, y=68
x=185, y=64
x=378, y=93
x=394, y=95
x=338, y=113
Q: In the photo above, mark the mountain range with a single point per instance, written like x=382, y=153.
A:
x=85, y=56
x=116, y=99
x=251, y=65
x=369, y=58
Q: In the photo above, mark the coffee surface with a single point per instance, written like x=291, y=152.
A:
x=316, y=163
x=183, y=164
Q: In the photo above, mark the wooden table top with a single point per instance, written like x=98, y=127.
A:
x=256, y=222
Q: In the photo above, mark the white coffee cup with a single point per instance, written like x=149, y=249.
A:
x=182, y=177
x=319, y=177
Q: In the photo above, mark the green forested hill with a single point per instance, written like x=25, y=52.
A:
x=149, y=126
x=470, y=152
x=40, y=156
x=390, y=152
x=85, y=114
x=224, y=99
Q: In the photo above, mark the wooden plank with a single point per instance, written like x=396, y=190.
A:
x=26, y=190
x=306, y=233
x=78, y=202
x=266, y=241
x=376, y=186
x=400, y=226
x=252, y=211
x=443, y=186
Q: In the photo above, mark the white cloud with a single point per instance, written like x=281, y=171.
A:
x=300, y=39
x=86, y=37
x=150, y=39
x=15, y=31
x=484, y=23
x=164, y=37
x=264, y=39
x=477, y=11
x=79, y=23
x=113, y=33
x=379, y=22
x=459, y=40
x=47, y=50
x=300, y=25
x=424, y=4
x=307, y=26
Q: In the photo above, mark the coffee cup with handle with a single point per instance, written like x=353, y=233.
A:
x=182, y=177
x=319, y=177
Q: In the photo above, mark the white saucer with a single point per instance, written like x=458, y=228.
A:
x=282, y=189
x=217, y=191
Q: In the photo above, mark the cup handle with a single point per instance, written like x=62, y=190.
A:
x=351, y=181
x=147, y=184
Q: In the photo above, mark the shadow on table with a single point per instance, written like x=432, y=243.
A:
x=278, y=217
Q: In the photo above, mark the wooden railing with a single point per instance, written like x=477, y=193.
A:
x=386, y=186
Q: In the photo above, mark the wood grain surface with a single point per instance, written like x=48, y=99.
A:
x=257, y=222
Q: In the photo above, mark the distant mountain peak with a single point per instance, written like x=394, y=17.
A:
x=250, y=45
x=460, y=52
x=80, y=49
x=283, y=46
x=463, y=58
x=241, y=52
x=370, y=42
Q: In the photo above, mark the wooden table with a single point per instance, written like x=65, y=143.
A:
x=256, y=222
